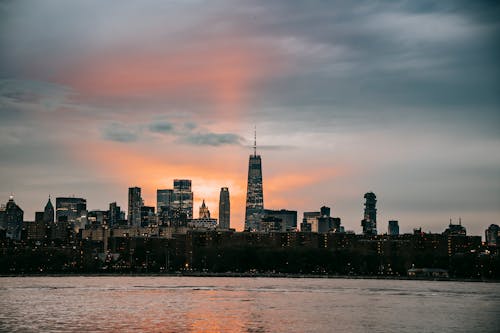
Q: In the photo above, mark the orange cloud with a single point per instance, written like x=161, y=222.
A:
x=215, y=72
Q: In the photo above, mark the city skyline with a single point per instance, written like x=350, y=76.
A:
x=397, y=98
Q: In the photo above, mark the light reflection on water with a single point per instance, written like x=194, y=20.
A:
x=190, y=304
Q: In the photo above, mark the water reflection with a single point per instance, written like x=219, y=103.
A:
x=178, y=304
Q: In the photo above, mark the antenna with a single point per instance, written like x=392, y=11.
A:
x=255, y=141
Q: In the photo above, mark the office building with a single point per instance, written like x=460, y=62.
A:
x=70, y=209
x=393, y=228
x=369, y=223
x=164, y=199
x=114, y=214
x=224, y=209
x=288, y=218
x=134, y=206
x=255, y=197
x=492, y=235
x=11, y=219
x=183, y=197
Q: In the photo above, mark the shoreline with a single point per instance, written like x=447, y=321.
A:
x=251, y=275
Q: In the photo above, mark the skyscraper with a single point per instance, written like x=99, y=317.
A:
x=224, y=209
x=114, y=214
x=255, y=196
x=13, y=217
x=183, y=197
x=369, y=223
x=134, y=206
x=164, y=199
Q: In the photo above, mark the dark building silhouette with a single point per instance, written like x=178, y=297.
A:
x=11, y=219
x=369, y=222
x=134, y=206
x=492, y=235
x=36, y=229
x=48, y=212
x=224, y=209
x=393, y=228
x=455, y=229
x=255, y=196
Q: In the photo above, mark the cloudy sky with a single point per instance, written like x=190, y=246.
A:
x=398, y=98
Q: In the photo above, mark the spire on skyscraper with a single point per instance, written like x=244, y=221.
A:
x=255, y=141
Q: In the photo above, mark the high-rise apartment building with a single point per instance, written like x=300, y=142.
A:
x=369, y=222
x=134, y=206
x=224, y=209
x=255, y=196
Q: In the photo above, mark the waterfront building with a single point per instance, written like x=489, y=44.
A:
x=369, y=222
x=393, y=228
x=134, y=206
x=224, y=209
x=254, y=209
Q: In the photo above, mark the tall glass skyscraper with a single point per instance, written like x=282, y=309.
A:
x=224, y=209
x=369, y=223
x=255, y=196
x=134, y=206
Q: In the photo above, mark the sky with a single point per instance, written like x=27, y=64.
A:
x=401, y=98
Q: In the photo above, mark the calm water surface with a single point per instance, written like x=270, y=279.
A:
x=190, y=304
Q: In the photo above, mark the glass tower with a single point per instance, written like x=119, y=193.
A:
x=255, y=197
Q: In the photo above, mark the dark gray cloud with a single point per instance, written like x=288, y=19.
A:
x=212, y=139
x=119, y=132
x=402, y=94
x=161, y=127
